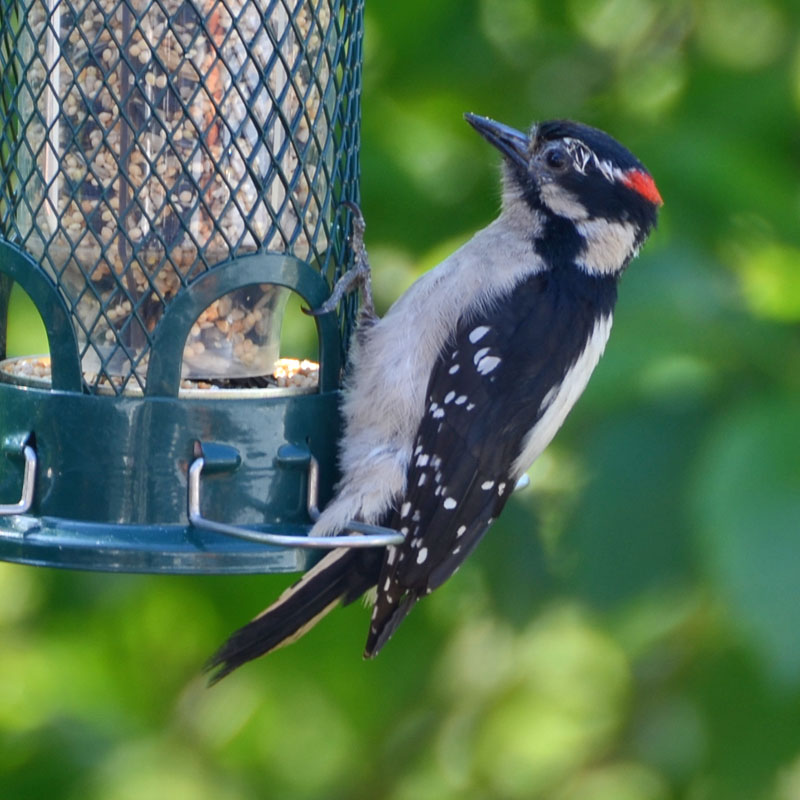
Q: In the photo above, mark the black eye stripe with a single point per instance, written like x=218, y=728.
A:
x=556, y=158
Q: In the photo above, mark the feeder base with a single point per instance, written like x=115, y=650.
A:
x=110, y=486
x=49, y=542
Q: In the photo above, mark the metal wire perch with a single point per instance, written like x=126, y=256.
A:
x=365, y=535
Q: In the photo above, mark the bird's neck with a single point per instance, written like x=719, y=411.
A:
x=597, y=247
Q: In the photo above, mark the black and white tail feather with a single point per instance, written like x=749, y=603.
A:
x=456, y=391
x=335, y=579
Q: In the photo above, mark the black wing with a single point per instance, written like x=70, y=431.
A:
x=484, y=395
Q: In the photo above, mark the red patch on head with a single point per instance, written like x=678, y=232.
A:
x=642, y=183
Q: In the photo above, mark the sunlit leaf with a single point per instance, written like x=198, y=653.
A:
x=616, y=782
x=744, y=35
x=770, y=281
x=650, y=88
x=613, y=23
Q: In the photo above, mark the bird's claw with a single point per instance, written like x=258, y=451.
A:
x=358, y=276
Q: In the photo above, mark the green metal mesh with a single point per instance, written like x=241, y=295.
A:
x=142, y=142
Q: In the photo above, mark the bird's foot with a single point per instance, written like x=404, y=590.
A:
x=359, y=276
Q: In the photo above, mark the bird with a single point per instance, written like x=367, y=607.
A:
x=453, y=394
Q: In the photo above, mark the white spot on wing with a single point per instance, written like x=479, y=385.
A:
x=448, y=398
x=480, y=354
x=476, y=334
x=486, y=485
x=461, y=399
x=455, y=368
x=449, y=503
x=487, y=364
x=461, y=531
x=405, y=510
x=422, y=555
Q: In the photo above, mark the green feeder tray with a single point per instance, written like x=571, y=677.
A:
x=170, y=172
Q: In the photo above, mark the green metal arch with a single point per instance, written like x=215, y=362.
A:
x=64, y=350
x=169, y=337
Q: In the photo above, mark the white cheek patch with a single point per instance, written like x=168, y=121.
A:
x=608, y=245
x=562, y=202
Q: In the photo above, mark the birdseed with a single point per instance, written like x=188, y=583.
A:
x=287, y=373
x=161, y=139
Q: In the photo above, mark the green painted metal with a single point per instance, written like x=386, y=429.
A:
x=102, y=234
x=111, y=477
x=43, y=291
x=111, y=482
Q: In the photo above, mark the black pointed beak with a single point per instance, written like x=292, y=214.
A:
x=513, y=144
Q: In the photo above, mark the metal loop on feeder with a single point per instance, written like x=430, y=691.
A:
x=28, y=484
x=365, y=535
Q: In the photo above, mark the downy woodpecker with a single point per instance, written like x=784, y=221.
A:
x=455, y=392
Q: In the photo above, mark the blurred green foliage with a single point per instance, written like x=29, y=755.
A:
x=630, y=629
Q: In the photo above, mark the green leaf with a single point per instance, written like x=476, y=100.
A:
x=748, y=500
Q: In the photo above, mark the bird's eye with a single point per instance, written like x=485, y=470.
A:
x=556, y=159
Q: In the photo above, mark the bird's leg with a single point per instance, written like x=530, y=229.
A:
x=358, y=276
x=361, y=271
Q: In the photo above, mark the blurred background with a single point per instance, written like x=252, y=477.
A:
x=630, y=629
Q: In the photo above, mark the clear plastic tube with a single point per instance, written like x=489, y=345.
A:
x=161, y=139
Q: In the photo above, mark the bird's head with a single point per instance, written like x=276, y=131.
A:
x=593, y=201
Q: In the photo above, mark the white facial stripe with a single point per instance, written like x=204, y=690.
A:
x=579, y=153
x=609, y=171
x=581, y=156
x=608, y=245
x=562, y=202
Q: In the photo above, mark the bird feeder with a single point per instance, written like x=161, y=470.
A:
x=171, y=171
